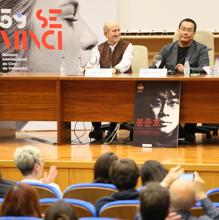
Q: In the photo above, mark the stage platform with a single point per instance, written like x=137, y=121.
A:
x=75, y=162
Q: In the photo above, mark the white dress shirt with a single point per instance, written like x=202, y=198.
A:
x=122, y=66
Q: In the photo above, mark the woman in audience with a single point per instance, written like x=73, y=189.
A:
x=28, y=160
x=4, y=186
x=102, y=167
x=60, y=211
x=152, y=170
x=21, y=200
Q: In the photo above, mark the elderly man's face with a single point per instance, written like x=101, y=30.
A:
x=77, y=38
x=186, y=32
x=113, y=34
x=165, y=108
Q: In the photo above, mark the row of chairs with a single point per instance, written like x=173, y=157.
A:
x=35, y=218
x=91, y=192
x=125, y=209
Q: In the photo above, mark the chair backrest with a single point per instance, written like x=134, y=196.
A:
x=124, y=209
x=213, y=194
x=96, y=218
x=81, y=208
x=140, y=58
x=206, y=38
x=45, y=190
x=89, y=192
x=19, y=218
x=197, y=211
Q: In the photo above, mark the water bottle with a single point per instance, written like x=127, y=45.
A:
x=216, y=66
x=63, y=66
x=186, y=68
x=79, y=69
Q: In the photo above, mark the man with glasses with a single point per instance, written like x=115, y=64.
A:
x=174, y=56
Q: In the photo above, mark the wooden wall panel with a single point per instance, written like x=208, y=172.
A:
x=28, y=100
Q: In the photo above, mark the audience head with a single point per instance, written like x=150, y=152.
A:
x=102, y=167
x=21, y=200
x=124, y=174
x=60, y=211
x=112, y=32
x=152, y=170
x=28, y=161
x=182, y=195
x=154, y=202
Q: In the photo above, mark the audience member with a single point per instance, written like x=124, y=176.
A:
x=102, y=167
x=152, y=170
x=28, y=160
x=183, y=194
x=116, y=54
x=4, y=186
x=154, y=202
x=124, y=175
x=60, y=211
x=21, y=200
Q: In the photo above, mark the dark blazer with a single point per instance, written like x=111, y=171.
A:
x=197, y=55
x=131, y=194
x=211, y=212
x=4, y=186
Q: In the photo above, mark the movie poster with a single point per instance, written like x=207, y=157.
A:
x=36, y=34
x=157, y=108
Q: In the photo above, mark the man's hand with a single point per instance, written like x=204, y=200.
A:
x=180, y=68
x=173, y=216
x=173, y=174
x=199, y=186
x=50, y=178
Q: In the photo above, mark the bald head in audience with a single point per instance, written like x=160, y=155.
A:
x=182, y=195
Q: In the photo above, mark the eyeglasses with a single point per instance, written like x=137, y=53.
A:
x=188, y=30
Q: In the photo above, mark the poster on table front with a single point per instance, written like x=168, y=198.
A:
x=157, y=108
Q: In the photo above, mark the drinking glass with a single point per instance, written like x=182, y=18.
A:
x=157, y=60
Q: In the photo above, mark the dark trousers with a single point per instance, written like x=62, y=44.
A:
x=97, y=127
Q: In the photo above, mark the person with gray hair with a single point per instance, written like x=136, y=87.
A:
x=183, y=194
x=28, y=160
x=116, y=54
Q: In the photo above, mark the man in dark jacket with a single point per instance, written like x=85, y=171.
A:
x=124, y=175
x=4, y=186
x=174, y=56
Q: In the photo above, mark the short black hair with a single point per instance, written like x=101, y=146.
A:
x=152, y=171
x=189, y=20
x=154, y=202
x=124, y=174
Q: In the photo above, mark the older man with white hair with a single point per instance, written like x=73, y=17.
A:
x=113, y=53
x=183, y=194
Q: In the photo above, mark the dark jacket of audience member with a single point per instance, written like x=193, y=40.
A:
x=4, y=186
x=152, y=170
x=154, y=202
x=102, y=167
x=124, y=175
x=21, y=200
x=60, y=211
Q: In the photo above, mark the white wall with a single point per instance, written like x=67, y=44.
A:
x=160, y=15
